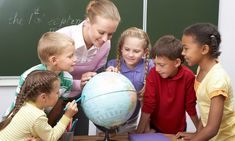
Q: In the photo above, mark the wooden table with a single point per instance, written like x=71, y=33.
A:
x=95, y=138
x=117, y=138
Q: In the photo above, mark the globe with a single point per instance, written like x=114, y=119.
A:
x=109, y=99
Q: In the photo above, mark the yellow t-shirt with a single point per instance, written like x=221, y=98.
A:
x=215, y=83
x=31, y=121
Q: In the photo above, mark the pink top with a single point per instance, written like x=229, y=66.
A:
x=88, y=60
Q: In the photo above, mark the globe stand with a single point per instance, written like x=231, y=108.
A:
x=106, y=137
x=106, y=132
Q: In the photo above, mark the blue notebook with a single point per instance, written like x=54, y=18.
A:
x=148, y=137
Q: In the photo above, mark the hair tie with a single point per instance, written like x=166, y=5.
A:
x=212, y=36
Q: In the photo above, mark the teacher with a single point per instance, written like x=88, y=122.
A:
x=92, y=41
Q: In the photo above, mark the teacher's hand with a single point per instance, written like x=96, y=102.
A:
x=86, y=77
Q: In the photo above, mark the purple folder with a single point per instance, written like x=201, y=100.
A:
x=148, y=137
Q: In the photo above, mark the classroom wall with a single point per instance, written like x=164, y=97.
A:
x=6, y=97
x=7, y=92
x=227, y=30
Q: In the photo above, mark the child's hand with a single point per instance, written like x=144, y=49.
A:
x=86, y=77
x=152, y=130
x=112, y=69
x=184, y=135
x=72, y=109
x=144, y=123
x=31, y=139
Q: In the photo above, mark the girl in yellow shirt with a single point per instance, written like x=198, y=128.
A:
x=28, y=119
x=212, y=85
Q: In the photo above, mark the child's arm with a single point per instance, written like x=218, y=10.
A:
x=46, y=132
x=214, y=119
x=213, y=123
x=149, y=103
x=143, y=125
x=191, y=101
x=200, y=126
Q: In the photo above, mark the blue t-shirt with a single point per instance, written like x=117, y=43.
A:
x=136, y=75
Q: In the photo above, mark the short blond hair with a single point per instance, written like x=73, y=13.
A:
x=52, y=43
x=102, y=8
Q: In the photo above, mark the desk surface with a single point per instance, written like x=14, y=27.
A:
x=116, y=138
x=95, y=138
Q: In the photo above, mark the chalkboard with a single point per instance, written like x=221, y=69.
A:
x=172, y=16
x=24, y=21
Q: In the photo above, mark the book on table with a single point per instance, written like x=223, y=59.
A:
x=148, y=137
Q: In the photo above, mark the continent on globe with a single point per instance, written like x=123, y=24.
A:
x=109, y=99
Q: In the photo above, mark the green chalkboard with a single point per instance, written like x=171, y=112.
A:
x=172, y=16
x=22, y=22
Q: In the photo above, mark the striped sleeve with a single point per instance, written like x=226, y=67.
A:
x=46, y=132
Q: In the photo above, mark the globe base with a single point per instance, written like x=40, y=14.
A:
x=106, y=137
x=106, y=132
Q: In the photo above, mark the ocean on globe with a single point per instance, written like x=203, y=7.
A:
x=109, y=99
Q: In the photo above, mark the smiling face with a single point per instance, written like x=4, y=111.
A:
x=192, y=51
x=100, y=31
x=133, y=50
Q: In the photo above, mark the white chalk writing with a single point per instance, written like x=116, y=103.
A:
x=37, y=17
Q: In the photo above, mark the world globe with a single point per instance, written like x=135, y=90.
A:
x=109, y=99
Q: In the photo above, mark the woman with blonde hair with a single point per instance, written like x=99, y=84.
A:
x=92, y=41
